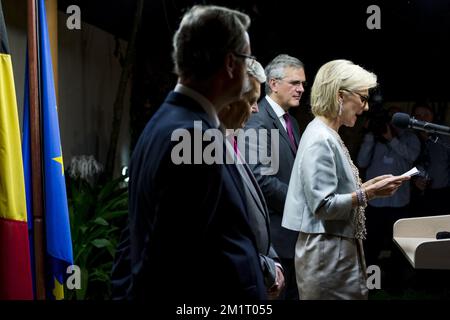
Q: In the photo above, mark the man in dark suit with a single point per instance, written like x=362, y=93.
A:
x=284, y=88
x=234, y=118
x=190, y=236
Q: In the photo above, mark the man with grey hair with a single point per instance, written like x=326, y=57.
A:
x=256, y=71
x=233, y=118
x=190, y=236
x=284, y=88
x=235, y=115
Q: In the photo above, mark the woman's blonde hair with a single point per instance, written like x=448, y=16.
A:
x=334, y=76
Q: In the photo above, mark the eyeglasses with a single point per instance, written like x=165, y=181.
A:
x=364, y=99
x=245, y=56
x=295, y=83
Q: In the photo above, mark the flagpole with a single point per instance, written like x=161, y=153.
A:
x=51, y=6
x=36, y=153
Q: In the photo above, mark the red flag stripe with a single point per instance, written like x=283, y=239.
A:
x=15, y=277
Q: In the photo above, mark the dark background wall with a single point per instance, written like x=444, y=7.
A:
x=410, y=53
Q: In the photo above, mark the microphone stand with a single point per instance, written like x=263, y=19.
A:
x=435, y=139
x=428, y=129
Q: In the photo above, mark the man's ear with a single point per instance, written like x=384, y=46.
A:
x=273, y=85
x=230, y=64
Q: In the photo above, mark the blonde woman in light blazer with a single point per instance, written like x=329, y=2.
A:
x=326, y=198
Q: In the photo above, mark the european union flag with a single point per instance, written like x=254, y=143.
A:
x=57, y=227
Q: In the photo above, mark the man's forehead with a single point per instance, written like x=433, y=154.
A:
x=294, y=72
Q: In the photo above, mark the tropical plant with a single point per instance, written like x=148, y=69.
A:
x=97, y=216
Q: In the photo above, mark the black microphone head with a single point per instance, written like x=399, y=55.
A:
x=400, y=120
x=443, y=235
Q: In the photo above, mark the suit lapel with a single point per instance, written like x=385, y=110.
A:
x=277, y=123
x=297, y=134
x=255, y=190
x=235, y=174
x=261, y=201
x=246, y=176
x=248, y=181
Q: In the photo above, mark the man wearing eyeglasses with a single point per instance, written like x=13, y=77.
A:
x=190, y=235
x=284, y=88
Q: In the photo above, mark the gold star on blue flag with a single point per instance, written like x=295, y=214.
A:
x=60, y=161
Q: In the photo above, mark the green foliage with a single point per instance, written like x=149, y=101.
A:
x=97, y=216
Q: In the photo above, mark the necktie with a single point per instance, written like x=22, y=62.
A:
x=290, y=131
x=236, y=149
x=235, y=146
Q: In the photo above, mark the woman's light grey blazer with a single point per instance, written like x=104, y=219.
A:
x=319, y=195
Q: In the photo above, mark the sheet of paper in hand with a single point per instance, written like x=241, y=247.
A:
x=411, y=172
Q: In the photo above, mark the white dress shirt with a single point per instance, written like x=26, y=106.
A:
x=279, y=111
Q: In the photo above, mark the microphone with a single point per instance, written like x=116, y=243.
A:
x=443, y=235
x=403, y=121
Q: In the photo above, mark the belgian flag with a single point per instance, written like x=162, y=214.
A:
x=15, y=270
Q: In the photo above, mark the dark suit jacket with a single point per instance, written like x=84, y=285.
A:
x=259, y=222
x=190, y=234
x=274, y=187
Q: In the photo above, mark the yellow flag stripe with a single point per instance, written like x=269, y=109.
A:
x=12, y=185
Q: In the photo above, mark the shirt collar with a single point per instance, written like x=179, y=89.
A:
x=279, y=111
x=201, y=100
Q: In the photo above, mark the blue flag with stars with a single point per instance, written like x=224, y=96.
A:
x=58, y=240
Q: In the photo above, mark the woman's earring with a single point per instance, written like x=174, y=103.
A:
x=341, y=107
